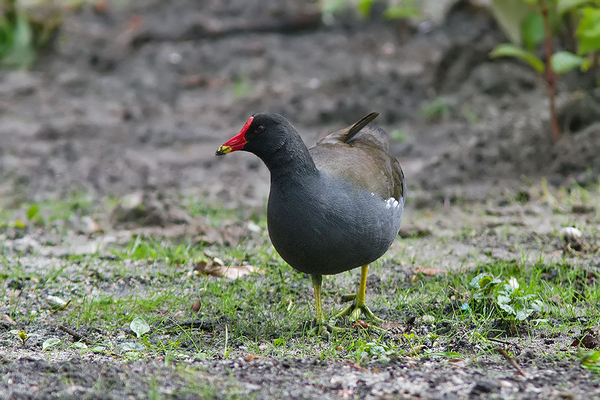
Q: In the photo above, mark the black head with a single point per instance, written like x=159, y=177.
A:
x=262, y=134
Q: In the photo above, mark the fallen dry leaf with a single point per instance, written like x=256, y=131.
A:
x=556, y=299
x=590, y=339
x=360, y=323
x=414, y=231
x=388, y=326
x=6, y=318
x=101, y=6
x=429, y=271
x=216, y=268
x=425, y=271
x=196, y=306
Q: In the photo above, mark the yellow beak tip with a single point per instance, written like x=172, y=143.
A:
x=223, y=150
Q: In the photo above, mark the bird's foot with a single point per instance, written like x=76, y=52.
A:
x=325, y=330
x=354, y=311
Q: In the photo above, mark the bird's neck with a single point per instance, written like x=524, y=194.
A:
x=291, y=162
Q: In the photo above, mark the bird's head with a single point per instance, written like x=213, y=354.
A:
x=262, y=134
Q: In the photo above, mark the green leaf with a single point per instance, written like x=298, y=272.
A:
x=590, y=357
x=508, y=289
x=48, y=343
x=502, y=299
x=129, y=346
x=242, y=88
x=564, y=6
x=20, y=52
x=510, y=50
x=533, y=30
x=364, y=7
x=56, y=303
x=476, y=282
x=6, y=36
x=437, y=108
x=332, y=6
x=399, y=12
x=32, y=211
x=538, y=306
x=510, y=15
x=139, y=326
x=507, y=308
x=523, y=314
x=588, y=31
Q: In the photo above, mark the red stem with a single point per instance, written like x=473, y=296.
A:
x=551, y=77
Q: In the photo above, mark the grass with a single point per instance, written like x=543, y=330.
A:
x=435, y=314
x=49, y=213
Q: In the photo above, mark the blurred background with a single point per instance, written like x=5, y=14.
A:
x=122, y=97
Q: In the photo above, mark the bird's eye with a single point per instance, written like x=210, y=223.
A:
x=260, y=129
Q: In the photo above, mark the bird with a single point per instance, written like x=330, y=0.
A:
x=331, y=208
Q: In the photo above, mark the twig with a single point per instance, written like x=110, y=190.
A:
x=502, y=342
x=511, y=361
x=193, y=324
x=199, y=28
x=76, y=336
x=462, y=294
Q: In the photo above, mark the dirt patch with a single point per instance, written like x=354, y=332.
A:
x=122, y=102
x=266, y=379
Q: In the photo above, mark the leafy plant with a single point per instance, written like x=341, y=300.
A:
x=528, y=23
x=505, y=296
x=16, y=37
x=380, y=351
x=436, y=109
x=23, y=336
x=22, y=34
x=49, y=343
x=591, y=360
x=139, y=326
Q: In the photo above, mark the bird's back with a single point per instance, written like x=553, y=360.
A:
x=359, y=155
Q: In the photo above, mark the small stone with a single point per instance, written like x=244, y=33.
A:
x=570, y=234
x=485, y=386
x=428, y=319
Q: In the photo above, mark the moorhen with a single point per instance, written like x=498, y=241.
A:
x=333, y=207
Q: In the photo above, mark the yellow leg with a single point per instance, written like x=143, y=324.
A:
x=359, y=306
x=322, y=328
x=316, y=282
x=362, y=289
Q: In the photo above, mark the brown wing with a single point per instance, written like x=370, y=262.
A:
x=359, y=154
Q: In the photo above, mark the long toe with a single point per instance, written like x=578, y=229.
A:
x=354, y=312
x=325, y=330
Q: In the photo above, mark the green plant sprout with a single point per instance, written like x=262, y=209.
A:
x=24, y=337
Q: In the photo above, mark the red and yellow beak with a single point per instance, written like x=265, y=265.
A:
x=237, y=142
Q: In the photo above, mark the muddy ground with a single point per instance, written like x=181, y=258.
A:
x=137, y=98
